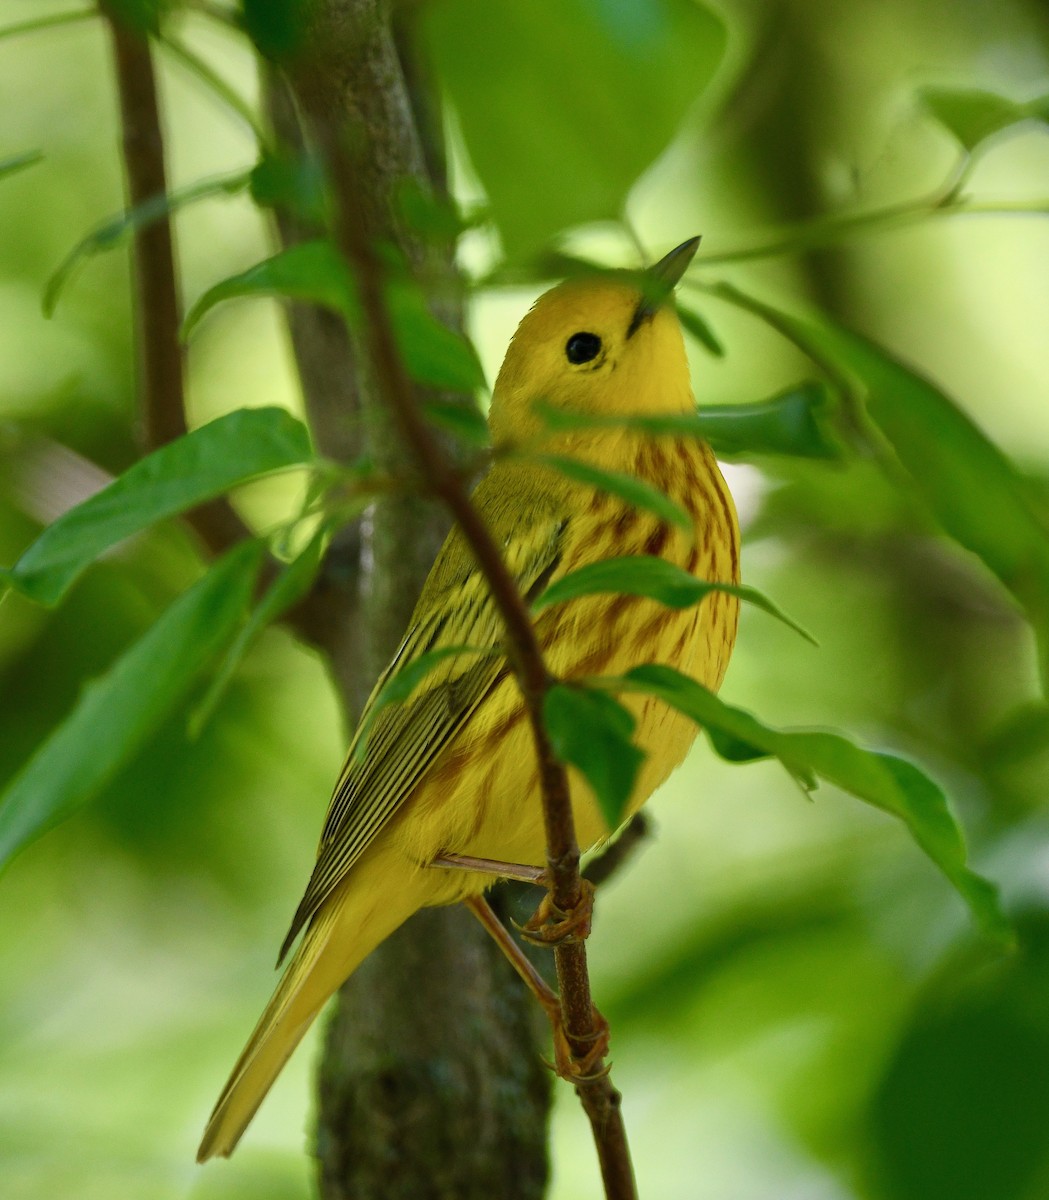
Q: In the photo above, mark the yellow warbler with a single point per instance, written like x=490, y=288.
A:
x=452, y=770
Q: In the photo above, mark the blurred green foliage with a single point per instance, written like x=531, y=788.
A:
x=800, y=1006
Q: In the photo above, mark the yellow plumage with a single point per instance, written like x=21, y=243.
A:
x=453, y=769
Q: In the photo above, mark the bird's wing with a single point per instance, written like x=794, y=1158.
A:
x=405, y=739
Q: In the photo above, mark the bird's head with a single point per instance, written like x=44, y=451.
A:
x=608, y=346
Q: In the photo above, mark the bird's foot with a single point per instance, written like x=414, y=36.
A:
x=552, y=926
x=579, y=1059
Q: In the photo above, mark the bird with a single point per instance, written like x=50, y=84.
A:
x=452, y=770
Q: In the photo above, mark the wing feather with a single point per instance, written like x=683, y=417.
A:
x=405, y=739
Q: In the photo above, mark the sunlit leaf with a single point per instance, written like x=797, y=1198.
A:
x=625, y=487
x=311, y=271
x=970, y=114
x=561, y=110
x=117, y=712
x=887, y=782
x=203, y=464
x=654, y=578
x=591, y=732
x=116, y=231
x=290, y=585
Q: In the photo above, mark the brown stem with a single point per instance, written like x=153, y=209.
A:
x=600, y=1099
x=157, y=310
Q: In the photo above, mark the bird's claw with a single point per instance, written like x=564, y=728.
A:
x=569, y=1063
x=551, y=926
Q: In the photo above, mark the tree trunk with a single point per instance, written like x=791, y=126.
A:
x=431, y=1083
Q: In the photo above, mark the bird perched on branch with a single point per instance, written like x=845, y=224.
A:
x=452, y=771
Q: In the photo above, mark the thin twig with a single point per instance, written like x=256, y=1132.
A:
x=839, y=227
x=600, y=869
x=157, y=309
x=213, y=81
x=36, y=24
x=600, y=1099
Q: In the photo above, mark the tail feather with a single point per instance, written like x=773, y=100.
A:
x=349, y=926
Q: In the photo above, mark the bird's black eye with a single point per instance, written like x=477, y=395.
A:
x=582, y=347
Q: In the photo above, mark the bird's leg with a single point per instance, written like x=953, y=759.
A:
x=567, y=1063
x=491, y=866
x=549, y=925
x=520, y=962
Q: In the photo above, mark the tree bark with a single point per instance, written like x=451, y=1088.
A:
x=431, y=1083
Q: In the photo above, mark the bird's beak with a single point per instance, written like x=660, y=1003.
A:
x=659, y=281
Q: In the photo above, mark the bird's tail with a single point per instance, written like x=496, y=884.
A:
x=345, y=931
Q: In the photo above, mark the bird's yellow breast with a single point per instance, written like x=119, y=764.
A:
x=482, y=798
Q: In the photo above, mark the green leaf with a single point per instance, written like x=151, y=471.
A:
x=791, y=423
x=19, y=162
x=400, y=685
x=626, y=487
x=561, y=110
x=697, y=326
x=117, y=712
x=591, y=732
x=887, y=782
x=958, y=1110
x=972, y=115
x=656, y=579
x=311, y=271
x=465, y=420
x=293, y=183
x=966, y=482
x=290, y=585
x=117, y=230
x=432, y=353
x=277, y=30
x=203, y=464
x=315, y=272
x=434, y=216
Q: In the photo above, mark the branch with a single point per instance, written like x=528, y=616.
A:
x=156, y=302
x=599, y=1098
x=840, y=227
x=600, y=869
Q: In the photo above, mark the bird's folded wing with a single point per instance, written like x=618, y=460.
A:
x=405, y=739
